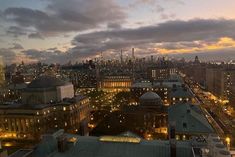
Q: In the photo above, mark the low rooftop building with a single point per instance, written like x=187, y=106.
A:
x=188, y=120
x=69, y=145
x=181, y=94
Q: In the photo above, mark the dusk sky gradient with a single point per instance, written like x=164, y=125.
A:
x=63, y=30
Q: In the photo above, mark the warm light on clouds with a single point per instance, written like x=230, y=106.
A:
x=58, y=31
x=222, y=43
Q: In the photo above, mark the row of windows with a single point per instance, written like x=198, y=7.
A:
x=64, y=108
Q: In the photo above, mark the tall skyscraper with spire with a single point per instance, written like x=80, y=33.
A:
x=121, y=57
x=133, y=54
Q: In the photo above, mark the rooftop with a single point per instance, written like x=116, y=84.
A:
x=46, y=81
x=150, y=96
x=87, y=146
x=189, y=119
x=17, y=105
x=148, y=84
x=181, y=92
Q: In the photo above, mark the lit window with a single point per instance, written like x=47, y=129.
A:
x=177, y=137
x=120, y=139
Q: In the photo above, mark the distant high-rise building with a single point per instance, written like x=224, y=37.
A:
x=196, y=60
x=2, y=73
x=133, y=54
x=151, y=58
x=121, y=57
x=101, y=56
x=221, y=82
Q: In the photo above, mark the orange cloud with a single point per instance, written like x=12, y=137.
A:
x=222, y=43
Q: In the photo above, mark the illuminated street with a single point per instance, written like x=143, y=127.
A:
x=117, y=78
x=217, y=116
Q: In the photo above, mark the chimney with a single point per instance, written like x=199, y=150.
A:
x=172, y=139
x=62, y=143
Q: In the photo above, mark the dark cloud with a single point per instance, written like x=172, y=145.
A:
x=7, y=55
x=172, y=35
x=185, y=32
x=48, y=56
x=62, y=16
x=17, y=46
x=155, y=6
x=52, y=49
x=16, y=31
x=112, y=25
x=1, y=14
x=35, y=36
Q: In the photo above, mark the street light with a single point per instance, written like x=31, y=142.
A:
x=228, y=141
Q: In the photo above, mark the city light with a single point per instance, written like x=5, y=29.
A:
x=116, y=77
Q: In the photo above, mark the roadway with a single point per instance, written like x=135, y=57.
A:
x=213, y=110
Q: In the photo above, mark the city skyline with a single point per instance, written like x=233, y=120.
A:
x=58, y=31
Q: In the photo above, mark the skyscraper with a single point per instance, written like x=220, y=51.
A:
x=2, y=73
x=133, y=54
x=121, y=57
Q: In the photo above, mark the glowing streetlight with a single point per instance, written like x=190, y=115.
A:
x=228, y=141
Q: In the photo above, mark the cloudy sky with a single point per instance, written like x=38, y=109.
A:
x=64, y=30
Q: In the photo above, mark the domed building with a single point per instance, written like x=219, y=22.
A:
x=47, y=89
x=150, y=100
x=48, y=104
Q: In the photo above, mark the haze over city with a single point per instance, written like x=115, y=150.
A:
x=60, y=31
